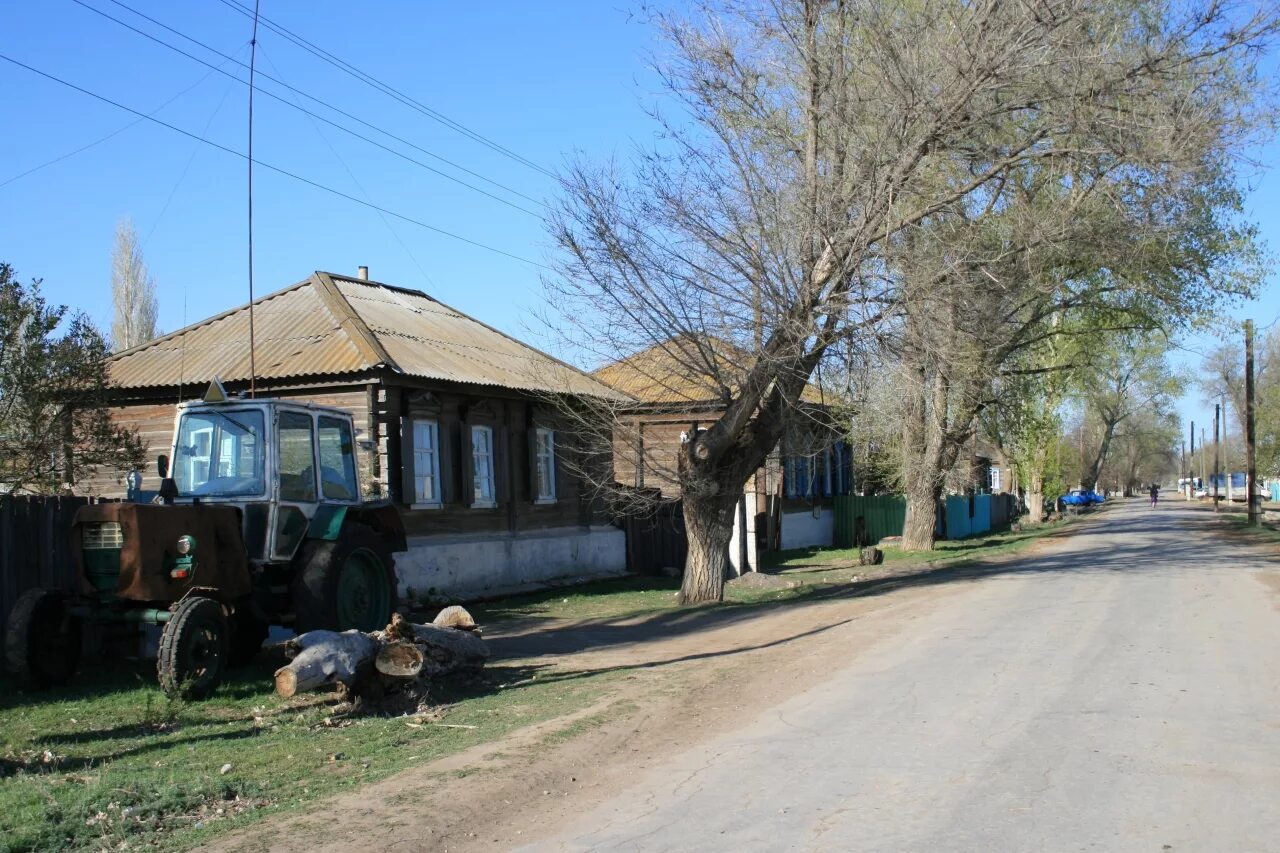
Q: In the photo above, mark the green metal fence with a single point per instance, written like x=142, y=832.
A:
x=959, y=516
x=878, y=516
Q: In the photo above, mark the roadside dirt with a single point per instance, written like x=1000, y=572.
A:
x=688, y=675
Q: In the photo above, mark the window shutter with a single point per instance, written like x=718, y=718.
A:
x=464, y=471
x=408, y=489
x=501, y=486
x=531, y=464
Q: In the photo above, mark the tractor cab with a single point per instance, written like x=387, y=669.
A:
x=285, y=465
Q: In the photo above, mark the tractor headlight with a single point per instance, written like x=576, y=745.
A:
x=186, y=545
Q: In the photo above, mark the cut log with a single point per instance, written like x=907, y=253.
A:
x=455, y=617
x=399, y=660
x=388, y=659
x=449, y=650
x=325, y=657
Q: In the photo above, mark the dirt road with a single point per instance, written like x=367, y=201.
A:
x=1119, y=689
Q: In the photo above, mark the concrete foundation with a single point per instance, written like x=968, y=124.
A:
x=480, y=565
x=803, y=530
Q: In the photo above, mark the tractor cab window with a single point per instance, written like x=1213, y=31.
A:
x=219, y=454
x=297, y=458
x=337, y=461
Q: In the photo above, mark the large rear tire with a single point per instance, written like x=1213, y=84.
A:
x=193, y=649
x=348, y=583
x=42, y=640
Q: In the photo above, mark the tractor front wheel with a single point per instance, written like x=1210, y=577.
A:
x=350, y=583
x=193, y=649
x=42, y=640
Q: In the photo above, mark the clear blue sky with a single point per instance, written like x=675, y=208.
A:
x=542, y=79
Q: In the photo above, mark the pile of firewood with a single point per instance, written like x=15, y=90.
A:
x=403, y=657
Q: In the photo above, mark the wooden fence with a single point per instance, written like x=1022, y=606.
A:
x=656, y=539
x=33, y=546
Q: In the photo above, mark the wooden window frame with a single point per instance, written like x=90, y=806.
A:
x=491, y=500
x=437, y=478
x=550, y=497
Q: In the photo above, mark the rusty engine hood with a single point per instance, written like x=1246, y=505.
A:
x=151, y=532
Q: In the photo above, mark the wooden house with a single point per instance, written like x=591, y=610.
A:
x=455, y=423
x=680, y=386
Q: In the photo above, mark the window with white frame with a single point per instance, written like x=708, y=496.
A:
x=482, y=466
x=995, y=478
x=545, y=462
x=426, y=463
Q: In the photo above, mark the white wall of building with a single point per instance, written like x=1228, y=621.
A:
x=474, y=566
x=802, y=530
x=735, y=546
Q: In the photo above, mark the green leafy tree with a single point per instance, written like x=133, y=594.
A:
x=55, y=425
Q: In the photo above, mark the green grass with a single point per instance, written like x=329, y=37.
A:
x=1239, y=521
x=112, y=761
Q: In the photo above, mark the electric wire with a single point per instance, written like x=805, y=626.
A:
x=382, y=217
x=278, y=170
x=389, y=90
x=103, y=139
x=319, y=117
x=195, y=149
x=317, y=100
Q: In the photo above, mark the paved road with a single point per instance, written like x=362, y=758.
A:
x=1118, y=692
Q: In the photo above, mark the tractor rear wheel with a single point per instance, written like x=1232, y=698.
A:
x=349, y=583
x=42, y=640
x=193, y=649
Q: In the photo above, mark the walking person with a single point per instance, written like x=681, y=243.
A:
x=1155, y=494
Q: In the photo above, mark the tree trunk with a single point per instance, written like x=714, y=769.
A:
x=1035, y=497
x=1090, y=476
x=708, y=522
x=919, y=530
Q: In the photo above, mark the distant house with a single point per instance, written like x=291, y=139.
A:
x=681, y=386
x=454, y=423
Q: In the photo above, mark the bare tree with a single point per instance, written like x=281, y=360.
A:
x=133, y=291
x=816, y=133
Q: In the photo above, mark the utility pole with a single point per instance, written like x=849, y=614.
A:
x=1226, y=448
x=1217, y=415
x=1202, y=457
x=1191, y=471
x=1250, y=413
x=1182, y=468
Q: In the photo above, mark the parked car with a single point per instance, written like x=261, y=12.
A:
x=1081, y=497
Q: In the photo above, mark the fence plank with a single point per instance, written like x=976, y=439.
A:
x=33, y=545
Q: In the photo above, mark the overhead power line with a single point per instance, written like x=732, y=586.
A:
x=387, y=89
x=46, y=164
x=270, y=167
x=314, y=115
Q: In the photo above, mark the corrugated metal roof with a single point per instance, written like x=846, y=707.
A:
x=332, y=324
x=679, y=373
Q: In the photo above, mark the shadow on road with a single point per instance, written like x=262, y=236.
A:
x=1148, y=540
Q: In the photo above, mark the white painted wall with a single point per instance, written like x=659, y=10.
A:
x=473, y=566
x=802, y=530
x=735, y=549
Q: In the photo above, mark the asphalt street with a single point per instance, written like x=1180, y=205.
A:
x=1118, y=690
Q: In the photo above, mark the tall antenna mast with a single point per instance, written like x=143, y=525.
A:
x=253, y=55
